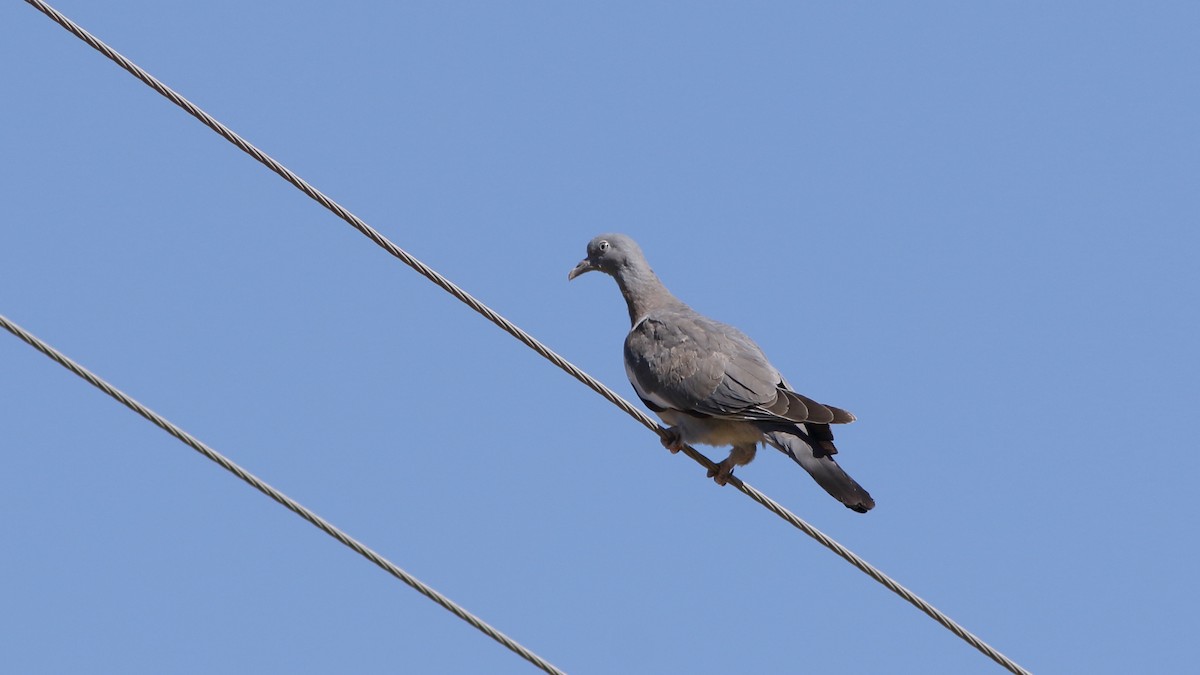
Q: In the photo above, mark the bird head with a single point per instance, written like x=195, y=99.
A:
x=608, y=253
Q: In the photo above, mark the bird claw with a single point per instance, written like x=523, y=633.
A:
x=722, y=473
x=673, y=440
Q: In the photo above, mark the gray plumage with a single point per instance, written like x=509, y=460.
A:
x=711, y=383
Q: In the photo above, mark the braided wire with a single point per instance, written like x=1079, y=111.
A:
x=515, y=331
x=288, y=502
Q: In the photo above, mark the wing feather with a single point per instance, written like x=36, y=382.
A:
x=704, y=367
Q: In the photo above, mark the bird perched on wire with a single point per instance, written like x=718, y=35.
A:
x=711, y=383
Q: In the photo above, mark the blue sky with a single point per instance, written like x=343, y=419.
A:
x=973, y=226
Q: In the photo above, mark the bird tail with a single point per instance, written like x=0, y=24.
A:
x=811, y=450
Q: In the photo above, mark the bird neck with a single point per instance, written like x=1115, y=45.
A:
x=643, y=292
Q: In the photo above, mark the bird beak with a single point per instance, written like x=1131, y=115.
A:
x=584, y=265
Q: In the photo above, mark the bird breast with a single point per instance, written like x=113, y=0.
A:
x=711, y=430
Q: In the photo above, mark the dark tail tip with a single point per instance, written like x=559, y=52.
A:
x=839, y=484
x=863, y=506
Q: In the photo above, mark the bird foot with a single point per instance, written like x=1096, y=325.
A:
x=673, y=440
x=722, y=473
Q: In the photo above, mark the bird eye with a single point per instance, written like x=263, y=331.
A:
x=603, y=245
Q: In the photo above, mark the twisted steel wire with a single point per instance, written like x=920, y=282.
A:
x=292, y=505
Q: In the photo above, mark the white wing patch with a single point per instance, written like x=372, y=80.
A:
x=645, y=395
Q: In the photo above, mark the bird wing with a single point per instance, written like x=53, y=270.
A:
x=681, y=360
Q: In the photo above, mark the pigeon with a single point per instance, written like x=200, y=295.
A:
x=711, y=384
